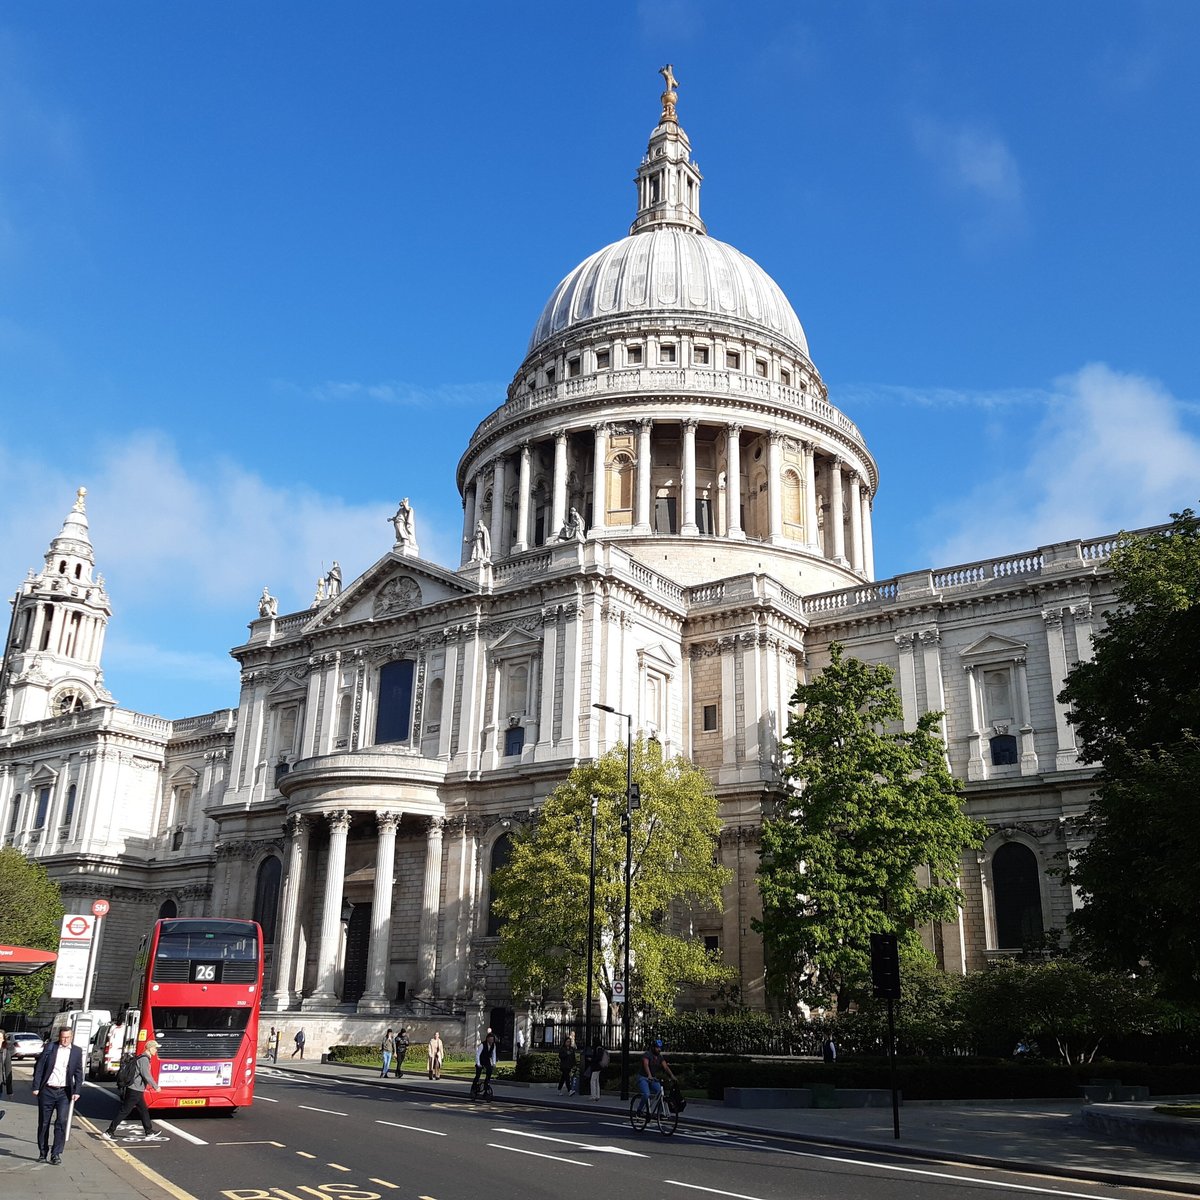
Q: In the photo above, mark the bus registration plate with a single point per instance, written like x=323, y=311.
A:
x=193, y=1102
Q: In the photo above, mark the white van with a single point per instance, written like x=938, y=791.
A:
x=71, y=1018
x=104, y=1054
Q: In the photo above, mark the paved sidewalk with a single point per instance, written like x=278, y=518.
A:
x=90, y=1168
x=1048, y=1138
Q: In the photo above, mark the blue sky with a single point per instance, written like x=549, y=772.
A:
x=264, y=266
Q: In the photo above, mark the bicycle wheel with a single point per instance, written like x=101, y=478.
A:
x=639, y=1113
x=667, y=1119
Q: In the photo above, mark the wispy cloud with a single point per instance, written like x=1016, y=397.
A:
x=398, y=393
x=976, y=166
x=853, y=396
x=1109, y=452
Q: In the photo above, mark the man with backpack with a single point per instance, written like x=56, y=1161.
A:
x=133, y=1079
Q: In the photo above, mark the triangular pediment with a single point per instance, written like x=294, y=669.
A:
x=515, y=641
x=994, y=647
x=392, y=587
x=659, y=656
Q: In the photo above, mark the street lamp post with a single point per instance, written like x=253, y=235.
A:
x=627, y=826
x=587, y=1019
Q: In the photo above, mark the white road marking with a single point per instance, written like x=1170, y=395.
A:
x=328, y=1111
x=277, y=1145
x=266, y=1099
x=534, y=1154
x=183, y=1133
x=544, y=1137
x=338, y=1167
x=385, y=1183
x=414, y=1128
x=712, y=1191
x=903, y=1170
x=305, y=1154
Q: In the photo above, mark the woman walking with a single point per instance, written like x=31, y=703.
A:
x=434, y=1055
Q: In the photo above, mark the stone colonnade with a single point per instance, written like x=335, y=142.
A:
x=298, y=878
x=845, y=496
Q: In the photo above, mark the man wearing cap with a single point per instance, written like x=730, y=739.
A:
x=135, y=1096
x=57, y=1082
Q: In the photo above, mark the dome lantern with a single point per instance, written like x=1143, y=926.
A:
x=668, y=182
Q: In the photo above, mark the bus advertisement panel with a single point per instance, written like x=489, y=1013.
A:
x=196, y=991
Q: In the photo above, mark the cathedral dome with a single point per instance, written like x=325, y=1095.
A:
x=670, y=270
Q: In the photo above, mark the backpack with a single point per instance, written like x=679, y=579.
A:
x=675, y=1101
x=604, y=1060
x=127, y=1071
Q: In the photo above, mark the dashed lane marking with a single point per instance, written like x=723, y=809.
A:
x=575, y=1162
x=277, y=1145
x=385, y=1183
x=328, y=1111
x=712, y=1191
x=305, y=1154
x=414, y=1128
x=266, y=1099
x=338, y=1167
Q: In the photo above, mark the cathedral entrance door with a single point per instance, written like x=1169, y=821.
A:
x=358, y=945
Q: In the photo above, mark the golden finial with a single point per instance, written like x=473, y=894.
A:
x=79, y=495
x=670, y=95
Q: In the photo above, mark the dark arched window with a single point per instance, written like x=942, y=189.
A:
x=168, y=910
x=1017, y=887
x=394, y=720
x=501, y=853
x=266, y=897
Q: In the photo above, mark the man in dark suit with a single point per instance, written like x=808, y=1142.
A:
x=57, y=1081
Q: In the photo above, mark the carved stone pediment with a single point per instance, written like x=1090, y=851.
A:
x=993, y=648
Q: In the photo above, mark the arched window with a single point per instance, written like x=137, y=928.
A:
x=168, y=910
x=1017, y=888
x=394, y=720
x=501, y=853
x=345, y=713
x=792, y=511
x=433, y=703
x=266, y=897
x=621, y=483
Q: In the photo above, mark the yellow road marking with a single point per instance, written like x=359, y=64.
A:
x=136, y=1163
x=339, y=1167
x=305, y=1154
x=384, y=1183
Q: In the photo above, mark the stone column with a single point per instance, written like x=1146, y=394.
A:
x=522, y=542
x=774, y=495
x=976, y=766
x=468, y=525
x=868, y=538
x=687, y=496
x=837, y=513
x=297, y=828
x=431, y=903
x=558, y=510
x=856, y=531
x=1029, y=761
x=644, y=476
x=376, y=998
x=908, y=680
x=1082, y=615
x=599, y=480
x=499, y=484
x=733, y=484
x=325, y=997
x=1067, y=756
x=811, y=536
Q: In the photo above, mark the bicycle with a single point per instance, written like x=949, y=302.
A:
x=640, y=1113
x=481, y=1090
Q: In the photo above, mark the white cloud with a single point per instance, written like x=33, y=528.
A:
x=1110, y=452
x=853, y=396
x=475, y=396
x=976, y=165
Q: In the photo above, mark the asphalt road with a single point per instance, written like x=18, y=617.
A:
x=313, y=1140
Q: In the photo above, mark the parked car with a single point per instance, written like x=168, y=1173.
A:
x=104, y=1053
x=25, y=1045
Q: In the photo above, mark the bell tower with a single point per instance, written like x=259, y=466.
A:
x=52, y=658
x=668, y=182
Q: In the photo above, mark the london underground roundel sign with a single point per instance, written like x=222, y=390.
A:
x=77, y=926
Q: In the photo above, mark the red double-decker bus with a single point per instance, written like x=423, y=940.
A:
x=196, y=990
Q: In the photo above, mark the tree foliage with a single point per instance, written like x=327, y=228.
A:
x=872, y=803
x=1136, y=706
x=31, y=915
x=542, y=894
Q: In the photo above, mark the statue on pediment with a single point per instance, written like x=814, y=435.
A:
x=333, y=581
x=405, y=524
x=481, y=544
x=268, y=606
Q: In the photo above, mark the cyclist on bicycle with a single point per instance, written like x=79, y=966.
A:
x=653, y=1064
x=485, y=1061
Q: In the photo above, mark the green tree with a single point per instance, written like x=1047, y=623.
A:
x=31, y=915
x=1136, y=706
x=1060, y=1005
x=542, y=894
x=872, y=803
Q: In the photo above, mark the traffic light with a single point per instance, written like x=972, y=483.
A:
x=885, y=966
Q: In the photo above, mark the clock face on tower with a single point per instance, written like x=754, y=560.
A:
x=68, y=702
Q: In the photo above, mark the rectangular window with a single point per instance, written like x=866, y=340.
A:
x=733, y=360
x=712, y=943
x=704, y=515
x=549, y=376
x=664, y=515
x=633, y=355
x=710, y=718
x=760, y=368
x=666, y=354
x=394, y=720
x=785, y=377
x=603, y=359
x=514, y=741
x=700, y=356
x=14, y=815
x=573, y=367
x=43, y=808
